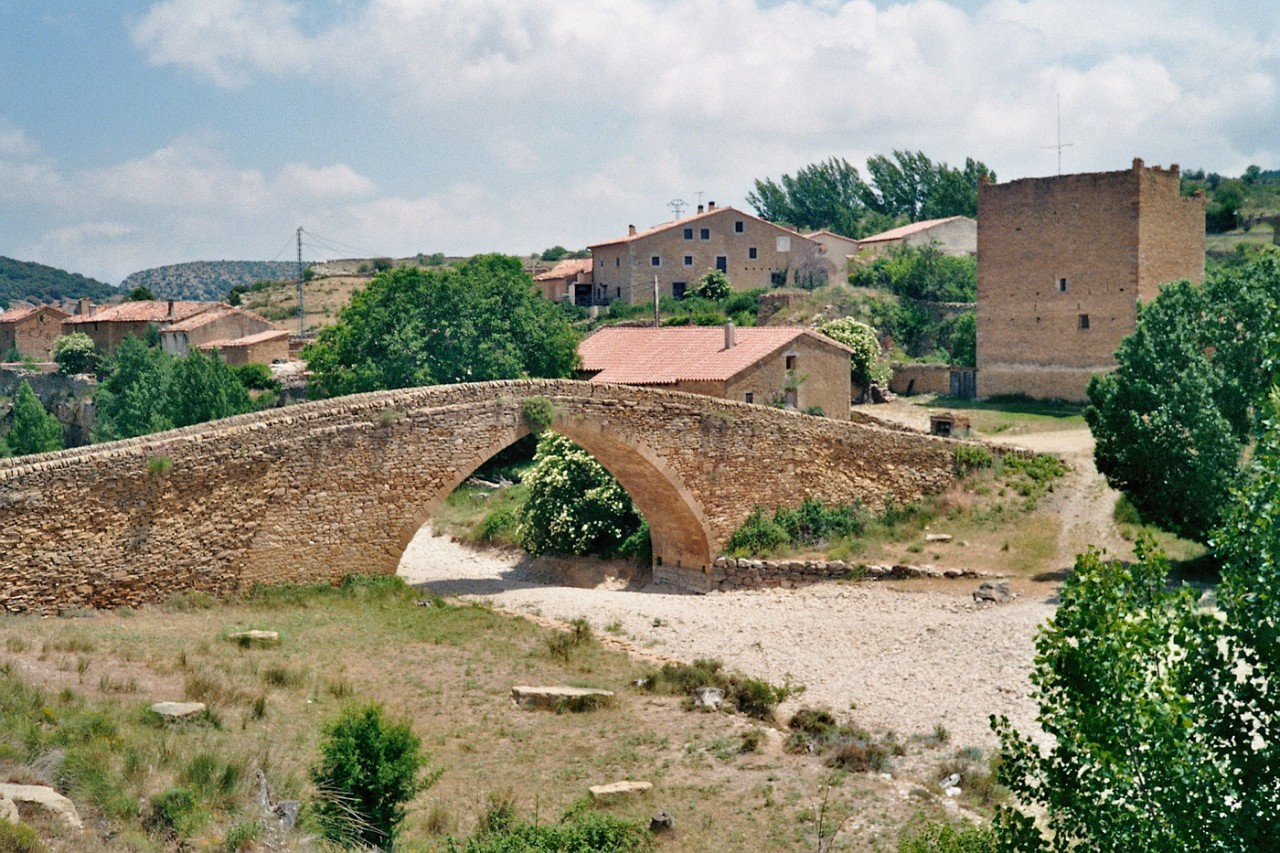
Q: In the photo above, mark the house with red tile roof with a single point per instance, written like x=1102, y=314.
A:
x=108, y=326
x=222, y=323
x=788, y=366
x=31, y=331
x=954, y=235
x=569, y=280
x=752, y=252
x=269, y=347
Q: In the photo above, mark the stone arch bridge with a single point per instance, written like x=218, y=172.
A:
x=320, y=490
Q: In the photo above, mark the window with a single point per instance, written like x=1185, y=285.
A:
x=704, y=234
x=688, y=260
x=1084, y=321
x=655, y=261
x=688, y=233
x=737, y=227
x=752, y=253
x=791, y=362
x=749, y=397
x=678, y=289
x=778, y=278
x=722, y=263
x=617, y=262
x=1062, y=285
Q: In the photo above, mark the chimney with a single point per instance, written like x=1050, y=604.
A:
x=711, y=205
x=700, y=208
x=170, y=309
x=1138, y=164
x=728, y=335
x=631, y=231
x=84, y=307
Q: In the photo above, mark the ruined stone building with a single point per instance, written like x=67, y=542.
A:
x=1062, y=264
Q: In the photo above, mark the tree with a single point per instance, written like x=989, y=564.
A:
x=34, y=430
x=140, y=294
x=1164, y=716
x=962, y=340
x=712, y=285
x=203, y=388
x=860, y=338
x=474, y=322
x=920, y=272
x=574, y=505
x=555, y=253
x=1170, y=422
x=75, y=353
x=369, y=768
x=132, y=399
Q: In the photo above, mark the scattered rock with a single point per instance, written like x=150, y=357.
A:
x=616, y=791
x=937, y=537
x=993, y=592
x=9, y=810
x=950, y=782
x=46, y=798
x=287, y=812
x=174, y=711
x=708, y=698
x=262, y=638
x=952, y=791
x=550, y=697
x=662, y=822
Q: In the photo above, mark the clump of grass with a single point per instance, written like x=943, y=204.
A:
x=585, y=704
x=747, y=695
x=242, y=836
x=278, y=675
x=562, y=644
x=847, y=746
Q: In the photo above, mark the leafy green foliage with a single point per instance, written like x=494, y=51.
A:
x=811, y=523
x=579, y=831
x=713, y=285
x=75, y=353
x=1170, y=422
x=538, y=412
x=33, y=430
x=920, y=272
x=20, y=838
x=256, y=376
x=474, y=322
x=203, y=388
x=860, y=338
x=209, y=280
x=176, y=813
x=37, y=283
x=574, y=505
x=369, y=768
x=748, y=695
x=833, y=195
x=140, y=294
x=947, y=838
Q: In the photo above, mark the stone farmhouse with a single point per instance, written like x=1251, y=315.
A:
x=108, y=327
x=568, y=280
x=792, y=367
x=954, y=235
x=31, y=331
x=1063, y=263
x=223, y=324
x=268, y=347
x=753, y=253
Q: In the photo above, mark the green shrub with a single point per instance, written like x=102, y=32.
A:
x=242, y=837
x=256, y=376
x=369, y=768
x=945, y=838
x=75, y=353
x=971, y=457
x=176, y=813
x=19, y=838
x=497, y=526
x=577, y=832
x=757, y=535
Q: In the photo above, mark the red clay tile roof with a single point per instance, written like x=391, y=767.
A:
x=677, y=223
x=564, y=269
x=150, y=311
x=247, y=340
x=670, y=354
x=13, y=315
x=907, y=230
x=220, y=310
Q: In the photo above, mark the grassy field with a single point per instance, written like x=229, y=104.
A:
x=73, y=694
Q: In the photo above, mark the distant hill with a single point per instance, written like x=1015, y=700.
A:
x=207, y=280
x=30, y=282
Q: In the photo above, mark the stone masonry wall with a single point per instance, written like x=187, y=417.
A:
x=320, y=490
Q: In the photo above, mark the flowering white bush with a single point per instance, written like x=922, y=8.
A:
x=860, y=338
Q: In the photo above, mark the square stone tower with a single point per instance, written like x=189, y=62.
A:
x=1062, y=264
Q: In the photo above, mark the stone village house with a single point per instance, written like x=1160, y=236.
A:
x=31, y=331
x=792, y=367
x=107, y=327
x=753, y=253
x=221, y=327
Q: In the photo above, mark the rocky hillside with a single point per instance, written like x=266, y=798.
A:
x=208, y=280
x=23, y=281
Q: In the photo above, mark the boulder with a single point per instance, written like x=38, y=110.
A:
x=993, y=592
x=551, y=697
x=708, y=698
x=615, y=791
x=937, y=537
x=175, y=711
x=45, y=798
x=9, y=810
x=662, y=822
x=261, y=638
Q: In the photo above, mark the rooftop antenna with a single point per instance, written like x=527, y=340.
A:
x=677, y=205
x=700, y=194
x=1060, y=144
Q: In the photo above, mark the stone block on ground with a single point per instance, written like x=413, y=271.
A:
x=616, y=791
x=937, y=537
x=993, y=592
x=551, y=697
x=662, y=822
x=708, y=698
x=174, y=711
x=260, y=638
x=45, y=798
x=9, y=810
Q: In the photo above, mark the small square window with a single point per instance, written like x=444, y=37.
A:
x=722, y=263
x=688, y=260
x=749, y=397
x=1062, y=285
x=678, y=289
x=655, y=261
x=752, y=252
x=704, y=234
x=688, y=233
x=1084, y=321
x=791, y=362
x=737, y=227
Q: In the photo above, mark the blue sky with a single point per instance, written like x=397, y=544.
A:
x=144, y=132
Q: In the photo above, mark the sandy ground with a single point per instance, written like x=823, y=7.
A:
x=905, y=659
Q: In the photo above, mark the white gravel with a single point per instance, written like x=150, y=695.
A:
x=907, y=660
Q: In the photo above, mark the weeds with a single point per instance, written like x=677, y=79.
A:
x=750, y=696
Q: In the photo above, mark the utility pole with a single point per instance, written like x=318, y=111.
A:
x=1060, y=144
x=301, y=313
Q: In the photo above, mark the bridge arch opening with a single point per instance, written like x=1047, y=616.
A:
x=677, y=529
